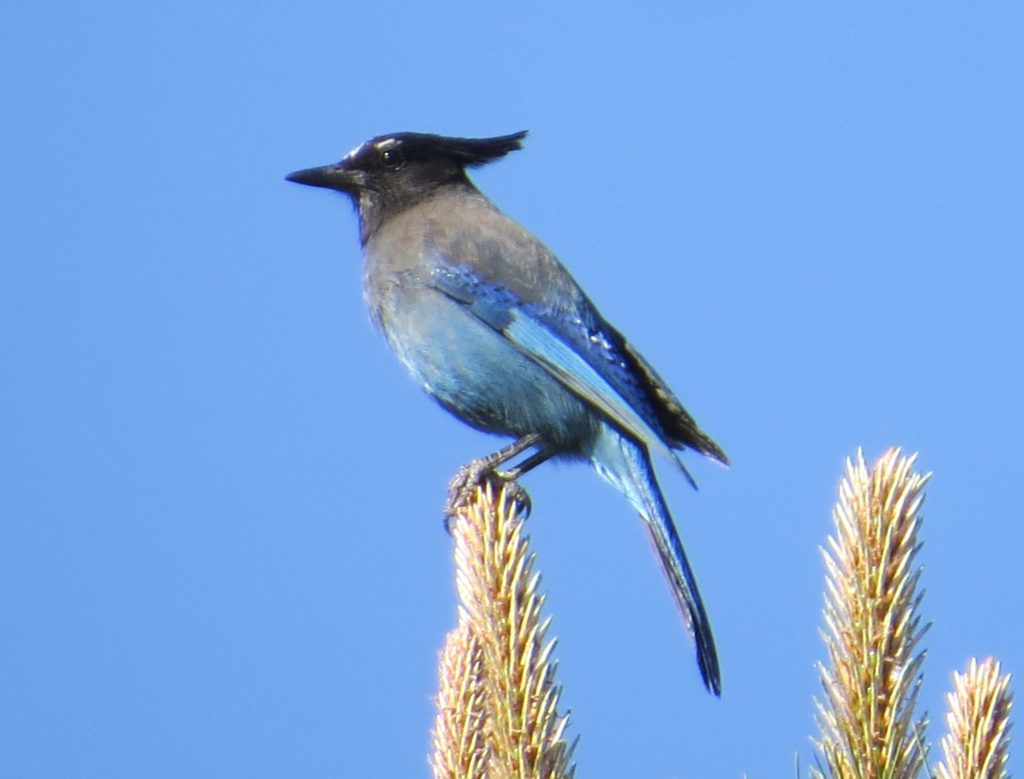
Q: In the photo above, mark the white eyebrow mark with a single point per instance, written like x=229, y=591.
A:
x=354, y=152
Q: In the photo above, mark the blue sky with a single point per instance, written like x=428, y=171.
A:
x=221, y=549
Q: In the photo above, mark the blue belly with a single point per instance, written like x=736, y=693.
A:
x=478, y=375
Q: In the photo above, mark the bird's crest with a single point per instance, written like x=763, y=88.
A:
x=466, y=151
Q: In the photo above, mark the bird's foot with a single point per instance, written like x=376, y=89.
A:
x=461, y=487
x=473, y=475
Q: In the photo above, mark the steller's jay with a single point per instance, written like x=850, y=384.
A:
x=492, y=326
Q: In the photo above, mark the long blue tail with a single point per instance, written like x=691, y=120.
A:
x=627, y=466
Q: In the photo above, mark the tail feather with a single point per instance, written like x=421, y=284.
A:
x=627, y=466
x=684, y=587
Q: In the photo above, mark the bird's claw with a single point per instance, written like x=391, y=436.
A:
x=471, y=476
x=517, y=492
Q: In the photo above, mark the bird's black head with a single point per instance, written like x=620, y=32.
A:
x=392, y=172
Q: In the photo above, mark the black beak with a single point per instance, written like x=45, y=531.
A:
x=329, y=177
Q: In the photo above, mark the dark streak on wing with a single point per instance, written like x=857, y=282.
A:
x=638, y=382
x=680, y=427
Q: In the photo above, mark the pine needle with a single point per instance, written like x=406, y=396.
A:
x=460, y=748
x=977, y=745
x=872, y=627
x=498, y=700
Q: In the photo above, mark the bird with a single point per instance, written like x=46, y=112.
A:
x=488, y=321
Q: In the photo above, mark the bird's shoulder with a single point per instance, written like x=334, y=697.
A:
x=468, y=231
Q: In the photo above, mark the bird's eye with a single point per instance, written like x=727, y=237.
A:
x=391, y=158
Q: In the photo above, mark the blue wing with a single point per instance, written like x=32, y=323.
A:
x=580, y=350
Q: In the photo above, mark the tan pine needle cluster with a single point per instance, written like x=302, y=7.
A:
x=978, y=742
x=497, y=706
x=460, y=749
x=872, y=627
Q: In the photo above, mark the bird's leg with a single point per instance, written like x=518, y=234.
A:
x=527, y=465
x=470, y=475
